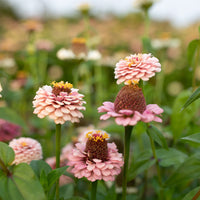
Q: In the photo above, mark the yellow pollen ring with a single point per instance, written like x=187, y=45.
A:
x=24, y=144
x=97, y=135
x=130, y=82
x=79, y=40
x=61, y=84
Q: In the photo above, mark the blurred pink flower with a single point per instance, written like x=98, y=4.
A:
x=45, y=45
x=26, y=150
x=96, y=159
x=61, y=103
x=8, y=130
x=136, y=67
x=130, y=107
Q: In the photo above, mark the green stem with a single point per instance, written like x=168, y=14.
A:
x=127, y=139
x=194, y=70
x=157, y=166
x=94, y=190
x=147, y=23
x=58, y=140
x=4, y=168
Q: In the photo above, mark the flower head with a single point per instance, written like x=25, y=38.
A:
x=95, y=159
x=130, y=107
x=8, y=130
x=60, y=102
x=26, y=150
x=136, y=67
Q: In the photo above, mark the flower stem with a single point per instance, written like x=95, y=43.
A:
x=157, y=166
x=127, y=139
x=94, y=190
x=58, y=139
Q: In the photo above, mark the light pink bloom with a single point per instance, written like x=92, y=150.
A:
x=26, y=150
x=83, y=165
x=136, y=67
x=61, y=106
x=129, y=117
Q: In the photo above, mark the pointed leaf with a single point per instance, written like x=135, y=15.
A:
x=195, y=95
x=7, y=154
x=157, y=136
x=192, y=193
x=194, y=138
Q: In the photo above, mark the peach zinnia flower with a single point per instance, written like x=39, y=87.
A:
x=130, y=107
x=136, y=67
x=61, y=103
x=95, y=159
x=26, y=150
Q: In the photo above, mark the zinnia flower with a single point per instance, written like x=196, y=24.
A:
x=136, y=67
x=26, y=150
x=8, y=130
x=130, y=107
x=61, y=103
x=95, y=159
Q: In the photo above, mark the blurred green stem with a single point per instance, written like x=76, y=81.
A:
x=58, y=140
x=127, y=140
x=194, y=69
x=157, y=165
x=94, y=190
x=42, y=66
x=147, y=22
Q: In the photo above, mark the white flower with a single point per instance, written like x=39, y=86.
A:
x=63, y=54
x=165, y=43
x=94, y=55
x=7, y=62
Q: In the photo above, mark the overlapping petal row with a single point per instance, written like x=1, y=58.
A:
x=136, y=67
x=97, y=169
x=60, y=108
x=129, y=117
x=26, y=150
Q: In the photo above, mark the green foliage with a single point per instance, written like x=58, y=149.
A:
x=192, y=49
x=194, y=138
x=180, y=119
x=191, y=194
x=7, y=155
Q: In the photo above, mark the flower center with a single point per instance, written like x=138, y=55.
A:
x=130, y=97
x=61, y=87
x=79, y=46
x=24, y=144
x=96, y=145
x=131, y=61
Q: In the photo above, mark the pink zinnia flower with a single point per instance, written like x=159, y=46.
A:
x=136, y=67
x=8, y=130
x=26, y=150
x=96, y=159
x=130, y=107
x=61, y=103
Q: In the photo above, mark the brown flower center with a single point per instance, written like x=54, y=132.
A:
x=78, y=46
x=130, y=97
x=96, y=146
x=61, y=87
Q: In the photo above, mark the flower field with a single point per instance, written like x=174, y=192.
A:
x=99, y=108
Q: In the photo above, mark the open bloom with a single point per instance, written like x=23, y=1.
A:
x=136, y=67
x=8, y=130
x=130, y=107
x=60, y=103
x=26, y=150
x=95, y=159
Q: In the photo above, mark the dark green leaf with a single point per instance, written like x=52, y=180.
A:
x=194, y=138
x=192, y=193
x=157, y=136
x=55, y=174
x=195, y=95
x=192, y=47
x=142, y=162
x=75, y=198
x=187, y=171
x=10, y=115
x=111, y=194
x=7, y=154
x=21, y=185
x=170, y=157
x=180, y=120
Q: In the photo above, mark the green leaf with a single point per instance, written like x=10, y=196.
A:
x=22, y=184
x=187, y=171
x=195, y=95
x=11, y=116
x=111, y=194
x=194, y=138
x=180, y=120
x=170, y=157
x=192, y=193
x=147, y=47
x=157, y=136
x=7, y=154
x=191, y=50
x=55, y=174
x=75, y=198
x=142, y=162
